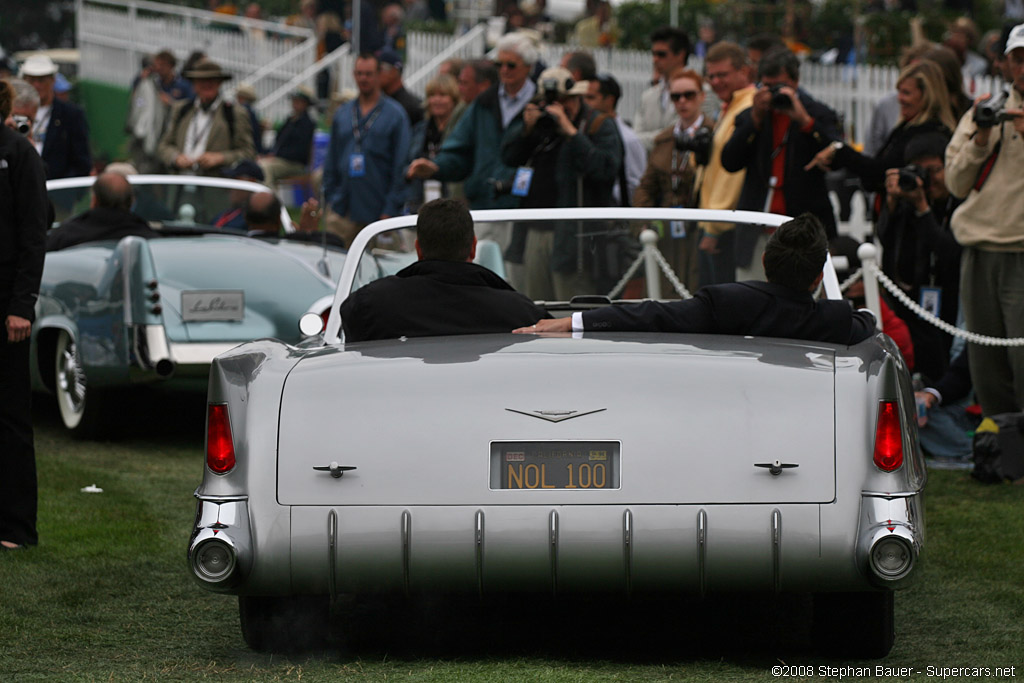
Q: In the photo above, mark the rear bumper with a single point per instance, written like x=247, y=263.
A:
x=684, y=549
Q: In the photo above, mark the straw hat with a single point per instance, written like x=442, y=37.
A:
x=38, y=65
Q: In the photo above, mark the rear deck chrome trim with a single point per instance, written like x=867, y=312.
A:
x=406, y=547
x=702, y=550
x=332, y=553
x=627, y=548
x=479, y=530
x=553, y=542
x=776, y=550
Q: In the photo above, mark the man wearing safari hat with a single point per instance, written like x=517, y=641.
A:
x=206, y=134
x=290, y=154
x=60, y=132
x=567, y=154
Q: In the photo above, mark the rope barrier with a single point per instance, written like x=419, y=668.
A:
x=621, y=284
x=929, y=317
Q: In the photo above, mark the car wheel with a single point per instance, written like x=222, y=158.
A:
x=857, y=625
x=80, y=408
x=289, y=624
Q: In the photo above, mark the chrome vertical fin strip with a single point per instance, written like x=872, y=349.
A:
x=553, y=543
x=702, y=550
x=776, y=550
x=627, y=548
x=406, y=547
x=479, y=527
x=332, y=553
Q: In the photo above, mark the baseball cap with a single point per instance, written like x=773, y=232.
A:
x=244, y=168
x=1015, y=39
x=390, y=57
x=38, y=65
x=562, y=81
x=61, y=84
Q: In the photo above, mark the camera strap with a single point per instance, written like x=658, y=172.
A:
x=986, y=168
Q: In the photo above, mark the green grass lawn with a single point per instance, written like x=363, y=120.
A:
x=106, y=595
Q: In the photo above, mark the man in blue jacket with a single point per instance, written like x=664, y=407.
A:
x=363, y=180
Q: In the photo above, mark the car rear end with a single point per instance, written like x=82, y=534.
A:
x=631, y=465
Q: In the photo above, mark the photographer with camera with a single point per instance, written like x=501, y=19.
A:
x=774, y=140
x=23, y=109
x=679, y=155
x=983, y=165
x=919, y=252
x=566, y=154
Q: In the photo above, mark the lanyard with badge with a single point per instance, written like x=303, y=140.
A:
x=357, y=160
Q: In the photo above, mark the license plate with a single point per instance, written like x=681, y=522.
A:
x=542, y=465
x=213, y=305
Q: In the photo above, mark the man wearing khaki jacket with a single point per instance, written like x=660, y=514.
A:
x=728, y=70
x=206, y=134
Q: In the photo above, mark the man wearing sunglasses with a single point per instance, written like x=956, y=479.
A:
x=472, y=151
x=670, y=48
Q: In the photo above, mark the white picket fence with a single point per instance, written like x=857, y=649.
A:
x=113, y=35
x=274, y=58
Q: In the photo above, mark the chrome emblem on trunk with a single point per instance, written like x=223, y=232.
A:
x=555, y=415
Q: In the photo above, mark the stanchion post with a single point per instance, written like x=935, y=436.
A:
x=868, y=254
x=649, y=240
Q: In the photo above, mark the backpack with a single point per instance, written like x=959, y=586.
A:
x=999, y=449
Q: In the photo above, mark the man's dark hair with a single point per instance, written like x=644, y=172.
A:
x=263, y=209
x=778, y=61
x=167, y=56
x=113, y=191
x=369, y=55
x=764, y=42
x=926, y=146
x=795, y=253
x=444, y=230
x=484, y=70
x=608, y=87
x=676, y=38
x=584, y=63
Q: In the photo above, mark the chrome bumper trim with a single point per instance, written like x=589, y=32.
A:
x=198, y=354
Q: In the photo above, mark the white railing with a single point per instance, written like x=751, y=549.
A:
x=113, y=35
x=425, y=52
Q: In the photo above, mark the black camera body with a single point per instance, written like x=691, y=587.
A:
x=549, y=91
x=699, y=143
x=992, y=111
x=909, y=175
x=779, y=99
x=22, y=124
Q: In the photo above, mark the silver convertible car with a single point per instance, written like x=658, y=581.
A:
x=617, y=464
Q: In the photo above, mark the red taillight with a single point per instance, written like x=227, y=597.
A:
x=888, y=437
x=324, y=315
x=220, y=450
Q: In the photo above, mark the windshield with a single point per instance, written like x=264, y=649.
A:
x=167, y=206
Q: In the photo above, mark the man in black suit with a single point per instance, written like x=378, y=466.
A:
x=443, y=293
x=775, y=140
x=782, y=307
x=60, y=131
x=109, y=217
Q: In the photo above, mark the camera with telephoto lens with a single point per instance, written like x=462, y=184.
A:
x=22, y=124
x=909, y=175
x=699, y=143
x=991, y=111
x=779, y=99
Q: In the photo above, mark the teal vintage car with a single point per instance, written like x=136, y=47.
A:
x=118, y=314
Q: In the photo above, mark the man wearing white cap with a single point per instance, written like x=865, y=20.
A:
x=60, y=131
x=983, y=162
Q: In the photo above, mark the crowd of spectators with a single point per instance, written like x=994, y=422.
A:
x=514, y=132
